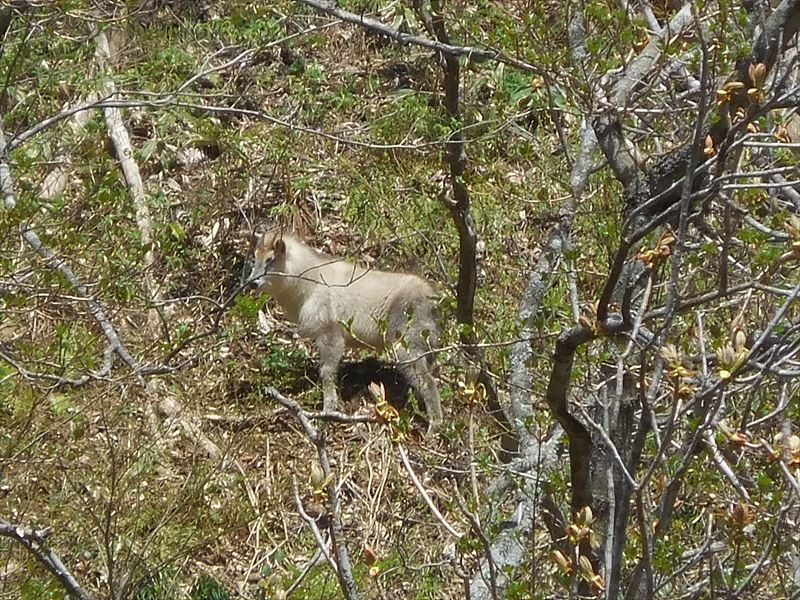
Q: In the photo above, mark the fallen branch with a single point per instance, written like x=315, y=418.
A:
x=170, y=409
x=332, y=416
x=118, y=134
x=34, y=542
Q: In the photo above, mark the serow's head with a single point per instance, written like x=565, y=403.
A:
x=269, y=257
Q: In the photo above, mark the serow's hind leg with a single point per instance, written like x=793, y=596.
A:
x=415, y=367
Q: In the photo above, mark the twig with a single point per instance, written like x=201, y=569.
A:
x=692, y=556
x=487, y=546
x=425, y=496
x=790, y=479
x=29, y=235
x=170, y=100
x=322, y=546
x=240, y=423
x=344, y=573
x=56, y=380
x=304, y=572
x=611, y=447
x=720, y=461
x=97, y=311
x=782, y=404
x=777, y=529
x=34, y=541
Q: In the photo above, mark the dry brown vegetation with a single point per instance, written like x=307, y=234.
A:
x=621, y=400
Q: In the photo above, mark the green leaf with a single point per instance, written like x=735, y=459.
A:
x=59, y=404
x=147, y=149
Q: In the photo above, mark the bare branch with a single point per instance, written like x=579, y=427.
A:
x=580, y=441
x=607, y=125
x=444, y=47
x=322, y=546
x=171, y=100
x=344, y=573
x=35, y=542
x=98, y=312
x=56, y=380
x=424, y=493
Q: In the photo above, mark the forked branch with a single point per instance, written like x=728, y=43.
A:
x=344, y=572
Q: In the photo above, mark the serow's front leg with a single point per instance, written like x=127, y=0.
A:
x=331, y=348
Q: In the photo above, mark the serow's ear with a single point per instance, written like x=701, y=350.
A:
x=279, y=246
